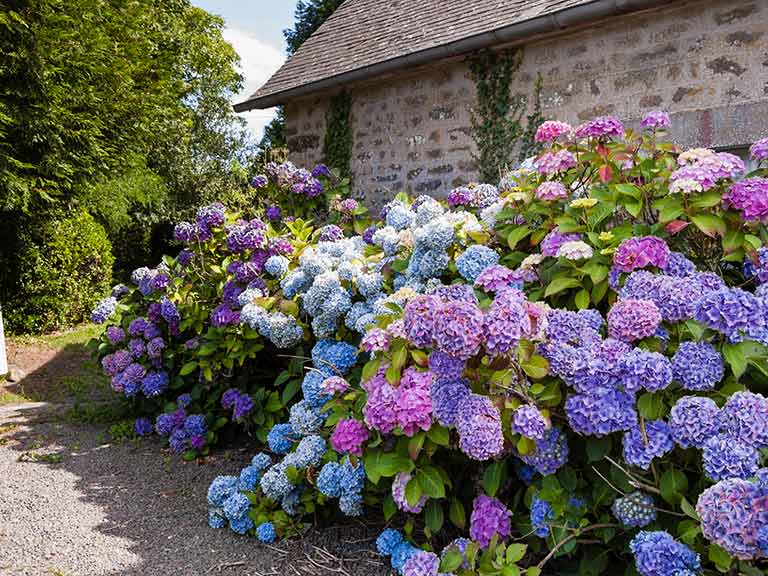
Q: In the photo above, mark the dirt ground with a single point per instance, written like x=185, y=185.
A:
x=77, y=501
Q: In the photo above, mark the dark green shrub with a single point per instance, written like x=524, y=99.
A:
x=62, y=267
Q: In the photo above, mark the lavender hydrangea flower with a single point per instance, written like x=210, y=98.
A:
x=693, y=420
x=143, y=426
x=697, y=366
x=445, y=366
x=530, y=423
x=731, y=311
x=640, y=449
x=496, y=278
x=551, y=163
x=506, y=322
x=750, y=197
x=656, y=120
x=489, y=518
x=600, y=127
x=458, y=329
x=422, y=564
x=479, y=425
x=759, y=150
x=447, y=395
x=645, y=370
x=725, y=458
x=601, y=412
x=635, y=253
x=555, y=239
x=103, y=310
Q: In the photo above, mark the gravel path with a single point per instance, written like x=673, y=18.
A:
x=72, y=504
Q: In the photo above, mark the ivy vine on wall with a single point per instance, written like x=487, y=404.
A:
x=499, y=124
x=338, y=134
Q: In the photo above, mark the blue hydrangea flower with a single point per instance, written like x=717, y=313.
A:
x=329, y=480
x=601, y=412
x=261, y=461
x=640, y=450
x=291, y=501
x=194, y=425
x=216, y=520
x=401, y=554
x=236, y=506
x=154, y=384
x=337, y=356
x=399, y=216
x=265, y=532
x=143, y=427
x=104, y=309
x=351, y=504
x=474, y=260
x=726, y=458
x=275, y=483
x=352, y=478
x=731, y=311
x=658, y=554
x=745, y=418
x=634, y=510
x=281, y=438
x=241, y=525
x=551, y=453
x=641, y=369
x=541, y=513
x=295, y=283
x=529, y=422
x=309, y=452
x=304, y=420
x=276, y=266
x=249, y=479
x=697, y=366
x=284, y=330
x=312, y=388
x=387, y=541
x=221, y=489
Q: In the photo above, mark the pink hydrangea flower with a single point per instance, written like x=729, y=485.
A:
x=602, y=126
x=375, y=340
x=334, y=385
x=553, y=162
x=414, y=409
x=630, y=320
x=551, y=190
x=639, y=252
x=349, y=436
x=656, y=119
x=750, y=197
x=551, y=130
x=759, y=150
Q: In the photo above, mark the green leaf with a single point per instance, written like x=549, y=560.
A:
x=560, y=284
x=413, y=492
x=720, y=557
x=686, y=507
x=492, y=478
x=415, y=445
x=582, y=299
x=188, y=368
x=431, y=482
x=630, y=190
x=439, y=435
x=753, y=241
x=706, y=199
x=290, y=391
x=451, y=560
x=597, y=272
x=389, y=507
x=517, y=234
x=370, y=369
x=736, y=358
x=536, y=366
x=515, y=552
x=433, y=516
x=393, y=374
x=207, y=349
x=533, y=571
x=710, y=224
x=651, y=406
x=399, y=355
x=673, y=485
x=670, y=208
x=597, y=448
x=386, y=464
x=456, y=514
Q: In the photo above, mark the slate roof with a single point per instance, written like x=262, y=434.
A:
x=363, y=34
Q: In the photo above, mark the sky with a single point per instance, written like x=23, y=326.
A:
x=255, y=29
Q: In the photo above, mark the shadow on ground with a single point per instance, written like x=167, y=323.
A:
x=73, y=502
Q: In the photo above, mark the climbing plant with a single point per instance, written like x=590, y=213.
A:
x=338, y=134
x=497, y=118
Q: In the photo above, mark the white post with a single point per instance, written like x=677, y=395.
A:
x=3, y=358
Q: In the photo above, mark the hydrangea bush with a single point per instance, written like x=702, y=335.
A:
x=558, y=374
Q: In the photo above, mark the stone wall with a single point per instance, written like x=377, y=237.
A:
x=705, y=62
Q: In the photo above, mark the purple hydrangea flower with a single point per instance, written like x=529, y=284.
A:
x=750, y=197
x=458, y=329
x=645, y=370
x=154, y=384
x=693, y=420
x=479, y=425
x=349, y=436
x=489, y=518
x=244, y=405
x=143, y=426
x=732, y=514
x=461, y=196
x=223, y=315
x=419, y=320
x=601, y=412
x=759, y=150
x=554, y=240
x=697, y=366
x=731, y=311
x=422, y=564
x=115, y=335
x=445, y=366
x=497, y=277
x=551, y=190
x=554, y=162
x=506, y=322
x=640, y=449
x=447, y=395
x=551, y=130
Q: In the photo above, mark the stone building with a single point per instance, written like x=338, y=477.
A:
x=404, y=62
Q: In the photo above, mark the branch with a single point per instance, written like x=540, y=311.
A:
x=562, y=543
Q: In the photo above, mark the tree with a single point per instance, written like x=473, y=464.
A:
x=309, y=16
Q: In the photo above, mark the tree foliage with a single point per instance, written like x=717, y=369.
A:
x=309, y=14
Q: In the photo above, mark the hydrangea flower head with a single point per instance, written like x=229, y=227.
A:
x=745, y=418
x=551, y=130
x=489, y=518
x=265, y=532
x=474, y=260
x=530, y=423
x=693, y=420
x=697, y=366
x=630, y=320
x=750, y=197
x=759, y=150
x=640, y=449
x=349, y=436
x=601, y=412
x=641, y=369
x=726, y=458
x=422, y=564
x=555, y=239
x=479, y=425
x=656, y=119
x=634, y=510
x=600, y=127
x=387, y=541
x=554, y=162
x=658, y=554
x=639, y=252
x=541, y=514
x=551, y=453
x=575, y=250
x=458, y=329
